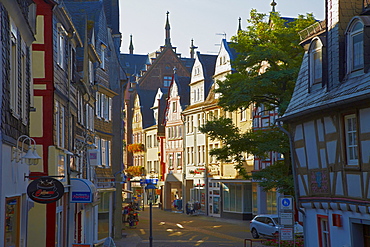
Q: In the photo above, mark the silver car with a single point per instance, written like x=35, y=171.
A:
x=267, y=225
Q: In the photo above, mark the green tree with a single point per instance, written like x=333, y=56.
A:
x=267, y=66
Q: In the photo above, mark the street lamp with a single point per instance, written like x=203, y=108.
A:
x=31, y=157
x=150, y=189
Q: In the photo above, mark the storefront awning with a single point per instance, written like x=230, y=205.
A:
x=83, y=191
x=232, y=180
x=173, y=177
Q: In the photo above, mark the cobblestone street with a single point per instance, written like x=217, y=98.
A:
x=178, y=229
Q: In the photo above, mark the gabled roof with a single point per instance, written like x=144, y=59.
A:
x=232, y=52
x=146, y=98
x=182, y=83
x=209, y=64
x=304, y=102
x=80, y=10
x=158, y=60
x=188, y=62
x=133, y=64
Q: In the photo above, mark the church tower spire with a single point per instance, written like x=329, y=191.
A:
x=167, y=28
x=273, y=4
x=131, y=47
x=192, y=49
x=240, y=24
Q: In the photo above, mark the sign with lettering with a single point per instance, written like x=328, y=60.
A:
x=45, y=190
x=286, y=233
x=83, y=191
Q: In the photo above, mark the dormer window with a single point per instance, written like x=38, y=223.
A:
x=355, y=47
x=103, y=55
x=315, y=57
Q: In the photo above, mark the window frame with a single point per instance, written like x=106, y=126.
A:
x=61, y=43
x=14, y=73
x=316, y=47
x=323, y=219
x=167, y=81
x=353, y=137
x=353, y=32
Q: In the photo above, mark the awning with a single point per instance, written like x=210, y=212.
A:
x=83, y=191
x=173, y=177
x=232, y=180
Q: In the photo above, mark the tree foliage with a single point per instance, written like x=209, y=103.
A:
x=268, y=62
x=266, y=68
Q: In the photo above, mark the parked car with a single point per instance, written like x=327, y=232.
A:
x=267, y=225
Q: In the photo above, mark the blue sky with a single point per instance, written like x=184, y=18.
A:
x=202, y=20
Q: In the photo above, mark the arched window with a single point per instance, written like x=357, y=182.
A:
x=355, y=47
x=315, y=67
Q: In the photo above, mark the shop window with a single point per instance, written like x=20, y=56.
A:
x=104, y=215
x=12, y=221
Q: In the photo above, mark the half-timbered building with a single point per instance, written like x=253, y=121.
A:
x=328, y=119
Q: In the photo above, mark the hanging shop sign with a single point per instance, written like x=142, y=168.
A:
x=45, y=190
x=83, y=191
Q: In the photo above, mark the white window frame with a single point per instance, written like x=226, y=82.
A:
x=98, y=105
x=23, y=97
x=103, y=55
x=57, y=123
x=315, y=62
x=243, y=114
x=351, y=139
x=61, y=43
x=91, y=72
x=62, y=127
x=110, y=103
x=14, y=76
x=355, y=50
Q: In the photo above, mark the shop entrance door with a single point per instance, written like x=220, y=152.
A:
x=214, y=206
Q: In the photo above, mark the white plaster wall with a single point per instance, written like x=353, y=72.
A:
x=311, y=145
x=197, y=65
x=224, y=67
x=13, y=183
x=339, y=236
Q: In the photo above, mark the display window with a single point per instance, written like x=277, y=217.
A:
x=12, y=220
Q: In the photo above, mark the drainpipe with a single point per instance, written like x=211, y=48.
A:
x=295, y=179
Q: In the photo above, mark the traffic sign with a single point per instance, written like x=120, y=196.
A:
x=286, y=233
x=286, y=203
x=286, y=219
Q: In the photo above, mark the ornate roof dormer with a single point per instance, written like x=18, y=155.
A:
x=167, y=28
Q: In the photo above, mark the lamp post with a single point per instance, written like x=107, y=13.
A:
x=31, y=157
x=150, y=189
